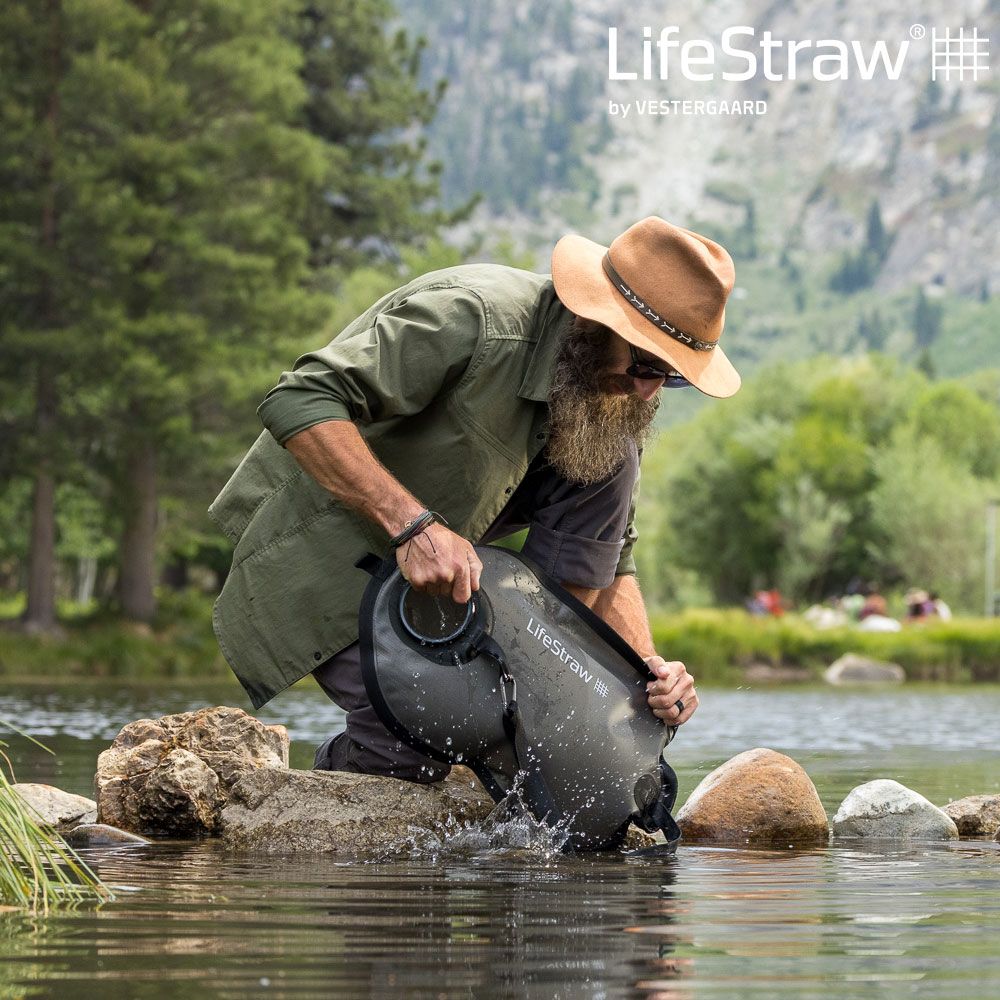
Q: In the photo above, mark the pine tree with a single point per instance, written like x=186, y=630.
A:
x=210, y=263
x=173, y=175
x=877, y=240
x=47, y=218
x=928, y=108
x=364, y=101
x=926, y=320
x=872, y=331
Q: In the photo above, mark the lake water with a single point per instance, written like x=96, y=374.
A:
x=191, y=920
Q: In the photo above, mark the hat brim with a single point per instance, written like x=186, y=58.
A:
x=585, y=289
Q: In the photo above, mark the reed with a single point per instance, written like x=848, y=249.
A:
x=38, y=869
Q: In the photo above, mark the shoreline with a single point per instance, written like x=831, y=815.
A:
x=722, y=647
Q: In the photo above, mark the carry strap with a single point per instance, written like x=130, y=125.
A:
x=536, y=793
x=374, y=566
x=655, y=814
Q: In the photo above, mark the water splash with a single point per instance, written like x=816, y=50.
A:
x=510, y=827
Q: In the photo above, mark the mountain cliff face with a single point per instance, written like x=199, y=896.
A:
x=872, y=186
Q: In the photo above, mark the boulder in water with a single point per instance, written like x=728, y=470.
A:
x=53, y=807
x=100, y=835
x=284, y=812
x=759, y=797
x=885, y=809
x=854, y=669
x=173, y=775
x=975, y=815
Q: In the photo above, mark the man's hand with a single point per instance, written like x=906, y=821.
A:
x=673, y=683
x=437, y=561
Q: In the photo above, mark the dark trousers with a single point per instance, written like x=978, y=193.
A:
x=575, y=535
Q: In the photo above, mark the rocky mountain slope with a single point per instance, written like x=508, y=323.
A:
x=792, y=192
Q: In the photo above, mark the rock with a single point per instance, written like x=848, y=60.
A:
x=854, y=669
x=975, y=815
x=886, y=809
x=338, y=813
x=765, y=673
x=759, y=797
x=173, y=775
x=56, y=808
x=639, y=840
x=100, y=835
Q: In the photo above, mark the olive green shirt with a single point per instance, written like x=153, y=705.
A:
x=447, y=379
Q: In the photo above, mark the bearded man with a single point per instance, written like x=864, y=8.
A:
x=471, y=403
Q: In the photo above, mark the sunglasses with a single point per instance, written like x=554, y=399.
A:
x=672, y=379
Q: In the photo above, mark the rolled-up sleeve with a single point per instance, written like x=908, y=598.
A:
x=395, y=364
x=576, y=533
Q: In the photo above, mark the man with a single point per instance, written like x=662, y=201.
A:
x=465, y=405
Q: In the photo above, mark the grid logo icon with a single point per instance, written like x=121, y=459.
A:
x=966, y=52
x=601, y=688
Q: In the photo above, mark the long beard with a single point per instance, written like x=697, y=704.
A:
x=591, y=427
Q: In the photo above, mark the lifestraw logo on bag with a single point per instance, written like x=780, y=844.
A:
x=558, y=648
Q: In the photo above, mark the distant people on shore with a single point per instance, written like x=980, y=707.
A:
x=941, y=608
x=921, y=605
x=874, y=615
x=863, y=605
x=874, y=604
x=766, y=602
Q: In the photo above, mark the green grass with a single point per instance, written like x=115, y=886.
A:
x=179, y=645
x=717, y=645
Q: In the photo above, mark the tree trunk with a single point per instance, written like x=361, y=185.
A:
x=137, y=567
x=86, y=579
x=40, y=614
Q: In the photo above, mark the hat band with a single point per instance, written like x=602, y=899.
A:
x=633, y=300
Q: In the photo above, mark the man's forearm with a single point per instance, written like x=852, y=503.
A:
x=670, y=692
x=338, y=458
x=622, y=607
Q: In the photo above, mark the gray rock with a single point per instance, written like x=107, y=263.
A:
x=854, y=669
x=53, y=807
x=886, y=809
x=173, y=775
x=975, y=815
x=766, y=673
x=101, y=835
x=283, y=812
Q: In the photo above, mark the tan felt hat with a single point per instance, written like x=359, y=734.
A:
x=660, y=287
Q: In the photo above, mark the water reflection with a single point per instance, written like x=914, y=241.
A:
x=473, y=929
x=714, y=922
x=724, y=921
